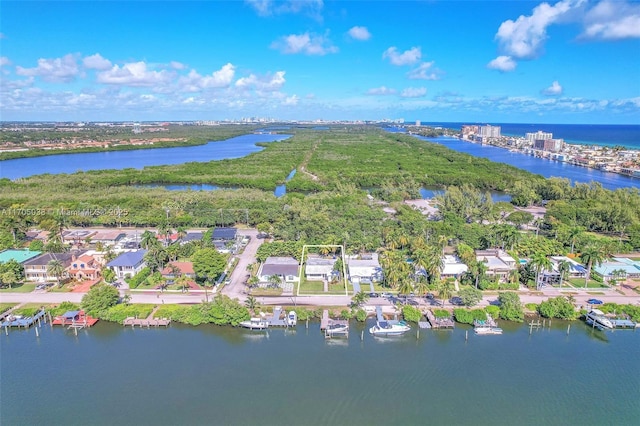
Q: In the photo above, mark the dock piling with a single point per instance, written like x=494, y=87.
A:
x=466, y=335
x=568, y=329
x=362, y=335
x=37, y=332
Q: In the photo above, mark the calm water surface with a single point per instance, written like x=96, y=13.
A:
x=546, y=168
x=236, y=147
x=207, y=375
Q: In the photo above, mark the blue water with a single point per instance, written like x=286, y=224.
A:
x=627, y=135
x=236, y=147
x=496, y=196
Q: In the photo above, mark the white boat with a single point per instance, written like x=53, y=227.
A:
x=481, y=330
x=384, y=328
x=337, y=329
x=255, y=324
x=292, y=318
x=596, y=318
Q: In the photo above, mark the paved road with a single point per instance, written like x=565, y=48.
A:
x=235, y=289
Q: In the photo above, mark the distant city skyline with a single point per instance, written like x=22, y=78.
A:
x=570, y=61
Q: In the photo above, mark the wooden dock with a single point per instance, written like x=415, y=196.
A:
x=440, y=323
x=332, y=327
x=146, y=322
x=25, y=322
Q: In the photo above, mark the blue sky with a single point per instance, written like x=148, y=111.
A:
x=570, y=61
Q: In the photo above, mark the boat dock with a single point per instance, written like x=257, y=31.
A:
x=624, y=324
x=332, y=327
x=25, y=322
x=74, y=319
x=440, y=323
x=146, y=322
x=275, y=320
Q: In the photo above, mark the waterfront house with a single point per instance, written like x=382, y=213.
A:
x=287, y=268
x=453, y=267
x=174, y=270
x=37, y=268
x=576, y=270
x=319, y=268
x=84, y=267
x=618, y=268
x=128, y=264
x=498, y=263
x=365, y=267
x=19, y=256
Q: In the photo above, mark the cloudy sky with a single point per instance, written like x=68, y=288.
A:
x=571, y=61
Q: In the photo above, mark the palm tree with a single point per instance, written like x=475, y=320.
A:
x=183, y=282
x=575, y=232
x=251, y=303
x=275, y=280
x=540, y=262
x=55, y=268
x=405, y=286
x=445, y=290
x=148, y=239
x=563, y=268
x=481, y=270
x=421, y=287
x=591, y=255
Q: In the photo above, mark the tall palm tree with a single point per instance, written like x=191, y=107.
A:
x=563, y=268
x=148, y=239
x=182, y=282
x=445, y=290
x=275, y=280
x=56, y=268
x=574, y=234
x=405, y=286
x=251, y=303
x=540, y=262
x=591, y=255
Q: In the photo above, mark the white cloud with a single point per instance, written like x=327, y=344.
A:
x=57, y=70
x=309, y=44
x=502, y=63
x=4, y=61
x=194, y=82
x=96, y=62
x=612, y=20
x=554, y=90
x=408, y=57
x=525, y=37
x=413, y=92
x=381, y=91
x=276, y=7
x=359, y=33
x=424, y=72
x=266, y=83
x=291, y=100
x=177, y=65
x=134, y=74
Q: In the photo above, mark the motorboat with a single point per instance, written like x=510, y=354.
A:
x=255, y=324
x=482, y=330
x=292, y=318
x=386, y=328
x=596, y=318
x=337, y=329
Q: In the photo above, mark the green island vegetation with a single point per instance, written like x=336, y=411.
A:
x=116, y=138
x=350, y=188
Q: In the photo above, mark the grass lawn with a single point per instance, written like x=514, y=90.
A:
x=579, y=283
x=66, y=288
x=317, y=287
x=19, y=288
x=257, y=292
x=4, y=307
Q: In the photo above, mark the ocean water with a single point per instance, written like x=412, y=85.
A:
x=627, y=135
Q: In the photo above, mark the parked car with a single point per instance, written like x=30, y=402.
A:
x=262, y=235
x=456, y=301
x=374, y=295
x=594, y=302
x=429, y=296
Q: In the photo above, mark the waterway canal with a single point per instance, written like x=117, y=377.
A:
x=219, y=375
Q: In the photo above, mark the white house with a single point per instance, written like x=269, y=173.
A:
x=284, y=267
x=128, y=264
x=365, y=267
x=319, y=268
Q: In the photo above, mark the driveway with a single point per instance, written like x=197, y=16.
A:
x=236, y=287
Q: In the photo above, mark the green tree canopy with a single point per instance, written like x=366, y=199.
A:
x=510, y=307
x=100, y=298
x=208, y=263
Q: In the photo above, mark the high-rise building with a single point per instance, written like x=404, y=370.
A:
x=538, y=136
x=489, y=131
